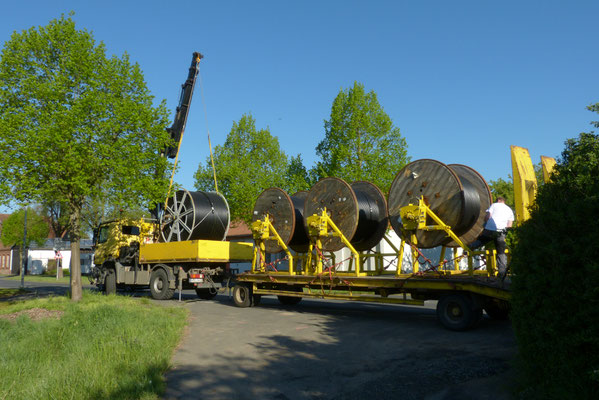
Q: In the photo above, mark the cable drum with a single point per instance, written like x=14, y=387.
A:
x=299, y=241
x=359, y=211
x=485, y=200
x=194, y=216
x=277, y=204
x=453, y=193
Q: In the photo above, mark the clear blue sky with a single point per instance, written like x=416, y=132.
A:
x=463, y=80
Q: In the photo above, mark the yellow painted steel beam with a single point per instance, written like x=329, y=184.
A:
x=369, y=299
x=548, y=164
x=525, y=182
x=196, y=251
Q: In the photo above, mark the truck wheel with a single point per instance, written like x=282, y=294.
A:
x=497, y=310
x=289, y=300
x=110, y=282
x=243, y=296
x=159, y=285
x=206, y=294
x=458, y=312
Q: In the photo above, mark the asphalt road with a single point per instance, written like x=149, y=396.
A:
x=336, y=350
x=329, y=350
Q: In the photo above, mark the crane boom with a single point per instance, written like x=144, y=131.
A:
x=176, y=130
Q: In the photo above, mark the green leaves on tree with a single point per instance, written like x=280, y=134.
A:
x=77, y=125
x=361, y=142
x=13, y=228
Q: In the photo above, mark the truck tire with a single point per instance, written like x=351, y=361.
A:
x=457, y=312
x=497, y=310
x=159, y=285
x=206, y=294
x=110, y=282
x=289, y=300
x=243, y=296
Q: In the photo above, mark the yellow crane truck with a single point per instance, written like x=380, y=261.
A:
x=127, y=254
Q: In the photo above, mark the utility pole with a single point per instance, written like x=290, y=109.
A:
x=23, y=261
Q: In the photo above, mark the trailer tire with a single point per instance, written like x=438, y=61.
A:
x=159, y=285
x=457, y=312
x=206, y=294
x=243, y=296
x=289, y=300
x=110, y=282
x=498, y=311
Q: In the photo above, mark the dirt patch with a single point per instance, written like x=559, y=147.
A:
x=35, y=314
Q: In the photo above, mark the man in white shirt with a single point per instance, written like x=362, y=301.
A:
x=499, y=217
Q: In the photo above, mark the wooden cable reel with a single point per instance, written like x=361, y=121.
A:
x=359, y=211
x=286, y=216
x=194, y=216
x=457, y=194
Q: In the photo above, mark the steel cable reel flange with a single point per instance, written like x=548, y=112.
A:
x=277, y=204
x=178, y=219
x=338, y=198
x=485, y=199
x=443, y=193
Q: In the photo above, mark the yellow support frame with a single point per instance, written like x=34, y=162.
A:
x=263, y=230
x=525, y=182
x=548, y=164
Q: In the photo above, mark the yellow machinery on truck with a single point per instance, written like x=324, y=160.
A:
x=430, y=205
x=127, y=254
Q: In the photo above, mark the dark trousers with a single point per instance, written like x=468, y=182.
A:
x=498, y=237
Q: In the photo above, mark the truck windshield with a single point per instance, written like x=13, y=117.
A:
x=103, y=234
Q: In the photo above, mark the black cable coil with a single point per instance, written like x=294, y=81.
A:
x=195, y=216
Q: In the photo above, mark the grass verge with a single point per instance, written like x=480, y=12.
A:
x=5, y=293
x=45, y=278
x=103, y=347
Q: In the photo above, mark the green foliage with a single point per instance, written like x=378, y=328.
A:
x=248, y=162
x=77, y=125
x=503, y=188
x=103, y=347
x=556, y=279
x=73, y=120
x=296, y=176
x=360, y=141
x=12, y=228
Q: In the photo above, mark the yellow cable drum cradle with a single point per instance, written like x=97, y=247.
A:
x=337, y=215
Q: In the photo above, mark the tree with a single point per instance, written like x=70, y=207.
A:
x=248, y=162
x=360, y=141
x=74, y=121
x=556, y=276
x=12, y=228
x=296, y=176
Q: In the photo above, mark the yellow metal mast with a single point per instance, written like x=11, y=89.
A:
x=525, y=182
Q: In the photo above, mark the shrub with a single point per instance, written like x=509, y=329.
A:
x=556, y=280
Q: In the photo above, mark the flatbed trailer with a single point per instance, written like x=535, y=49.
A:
x=461, y=297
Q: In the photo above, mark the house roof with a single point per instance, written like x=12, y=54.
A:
x=238, y=229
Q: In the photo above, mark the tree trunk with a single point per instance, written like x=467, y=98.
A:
x=75, y=277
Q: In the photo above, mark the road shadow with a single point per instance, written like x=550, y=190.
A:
x=340, y=350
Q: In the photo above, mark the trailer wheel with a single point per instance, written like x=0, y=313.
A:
x=458, y=312
x=497, y=310
x=289, y=300
x=206, y=294
x=110, y=282
x=159, y=285
x=243, y=296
